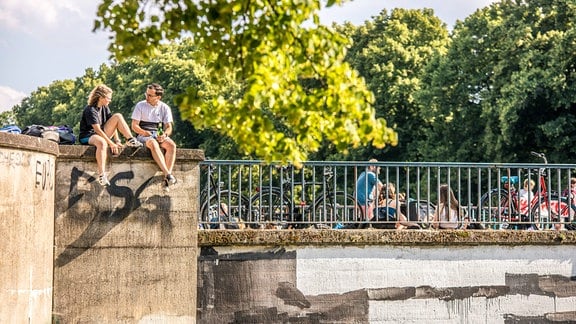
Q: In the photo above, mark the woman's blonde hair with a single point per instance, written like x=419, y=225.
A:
x=388, y=191
x=100, y=91
x=529, y=181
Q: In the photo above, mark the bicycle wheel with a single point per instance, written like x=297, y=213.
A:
x=271, y=208
x=494, y=208
x=334, y=208
x=233, y=216
x=546, y=215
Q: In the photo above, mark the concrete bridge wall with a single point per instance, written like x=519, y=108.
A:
x=386, y=276
x=75, y=252
x=125, y=253
x=27, y=186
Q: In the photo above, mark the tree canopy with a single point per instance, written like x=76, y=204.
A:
x=391, y=52
x=506, y=85
x=291, y=88
x=500, y=85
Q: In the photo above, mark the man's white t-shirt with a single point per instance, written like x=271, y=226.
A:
x=149, y=116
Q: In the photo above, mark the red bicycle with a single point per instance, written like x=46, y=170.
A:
x=539, y=210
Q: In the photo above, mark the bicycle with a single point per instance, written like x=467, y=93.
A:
x=290, y=205
x=212, y=211
x=507, y=207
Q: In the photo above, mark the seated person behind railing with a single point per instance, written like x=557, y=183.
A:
x=388, y=210
x=225, y=221
x=525, y=194
x=527, y=191
x=571, y=191
x=448, y=211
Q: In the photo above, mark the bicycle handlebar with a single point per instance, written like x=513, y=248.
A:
x=540, y=155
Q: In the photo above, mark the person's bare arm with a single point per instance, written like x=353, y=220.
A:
x=138, y=130
x=168, y=131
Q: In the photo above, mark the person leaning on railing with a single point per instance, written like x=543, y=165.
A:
x=367, y=188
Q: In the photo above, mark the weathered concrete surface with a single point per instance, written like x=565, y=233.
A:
x=383, y=237
x=126, y=253
x=386, y=276
x=26, y=228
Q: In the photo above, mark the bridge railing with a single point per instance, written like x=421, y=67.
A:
x=252, y=194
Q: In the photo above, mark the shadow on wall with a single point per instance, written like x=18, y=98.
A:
x=104, y=220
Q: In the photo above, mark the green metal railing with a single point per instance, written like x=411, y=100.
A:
x=242, y=194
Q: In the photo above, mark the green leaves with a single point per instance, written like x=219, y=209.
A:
x=391, y=53
x=506, y=81
x=258, y=55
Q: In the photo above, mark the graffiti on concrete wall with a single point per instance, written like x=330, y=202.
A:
x=103, y=217
x=12, y=158
x=42, y=168
x=43, y=176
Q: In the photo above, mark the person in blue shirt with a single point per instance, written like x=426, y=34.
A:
x=367, y=188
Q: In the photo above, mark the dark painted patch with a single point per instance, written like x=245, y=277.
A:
x=259, y=315
x=552, y=318
x=523, y=284
x=516, y=284
x=259, y=287
x=288, y=292
x=350, y=307
x=394, y=293
x=427, y=292
x=209, y=253
x=558, y=286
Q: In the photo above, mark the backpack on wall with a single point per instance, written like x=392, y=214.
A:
x=13, y=129
x=59, y=134
x=34, y=130
x=66, y=135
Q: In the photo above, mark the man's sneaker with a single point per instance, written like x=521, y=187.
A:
x=171, y=180
x=103, y=180
x=133, y=142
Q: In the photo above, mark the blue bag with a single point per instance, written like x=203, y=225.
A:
x=67, y=136
x=13, y=129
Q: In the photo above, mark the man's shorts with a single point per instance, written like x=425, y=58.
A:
x=144, y=139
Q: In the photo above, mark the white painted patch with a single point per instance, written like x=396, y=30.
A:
x=161, y=319
x=344, y=269
x=469, y=310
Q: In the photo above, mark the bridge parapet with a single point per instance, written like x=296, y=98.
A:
x=127, y=250
x=26, y=227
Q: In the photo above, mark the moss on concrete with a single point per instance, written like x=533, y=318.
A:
x=249, y=237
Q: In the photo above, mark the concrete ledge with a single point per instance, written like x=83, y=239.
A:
x=382, y=237
x=28, y=143
x=87, y=152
